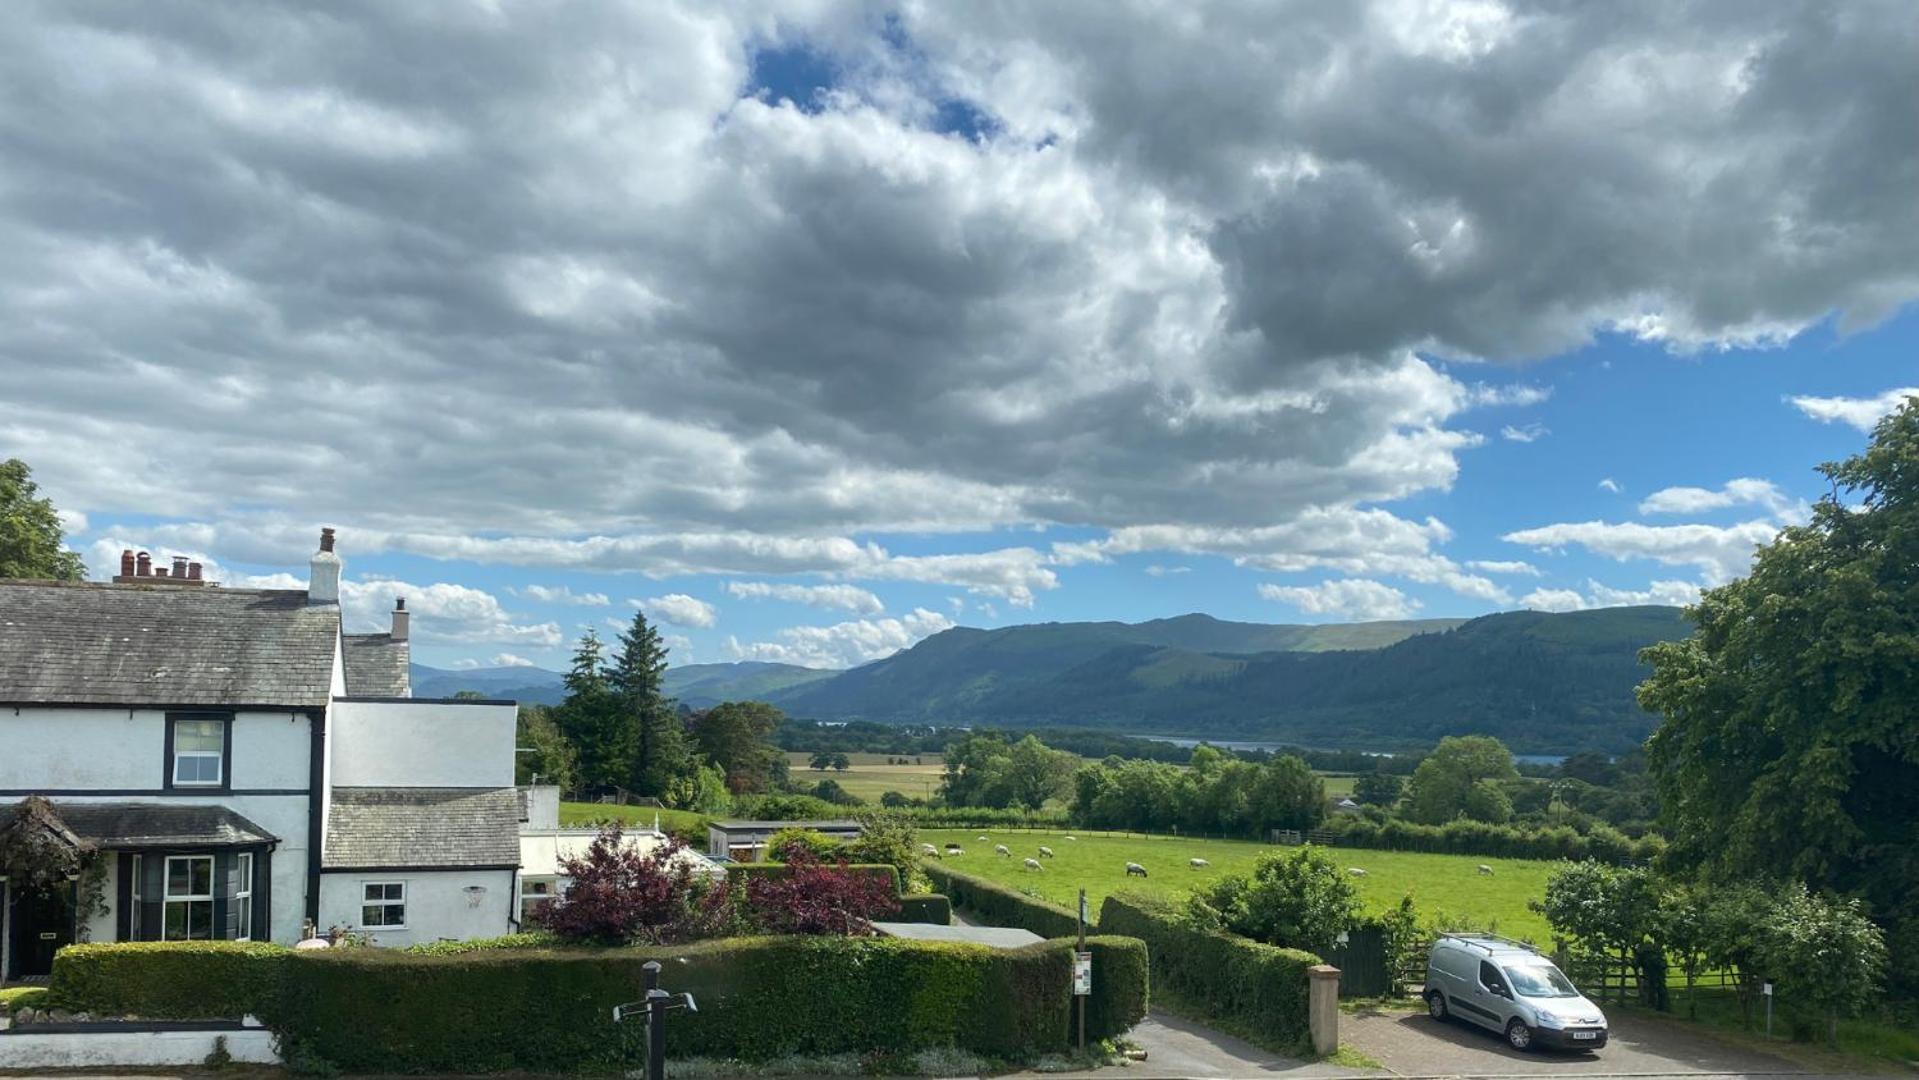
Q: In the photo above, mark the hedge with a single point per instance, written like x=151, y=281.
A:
x=926, y=908
x=1463, y=837
x=1256, y=987
x=550, y=1010
x=775, y=869
x=1001, y=906
x=503, y=1007
x=170, y=980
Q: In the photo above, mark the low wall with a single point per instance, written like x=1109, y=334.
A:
x=131, y=1045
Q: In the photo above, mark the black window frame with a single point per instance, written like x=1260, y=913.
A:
x=225, y=785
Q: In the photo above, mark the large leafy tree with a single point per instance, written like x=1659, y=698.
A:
x=1461, y=777
x=637, y=676
x=1790, y=747
x=31, y=543
x=544, y=751
x=736, y=737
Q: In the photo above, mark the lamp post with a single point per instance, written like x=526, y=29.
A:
x=653, y=1008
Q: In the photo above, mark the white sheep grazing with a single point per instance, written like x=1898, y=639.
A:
x=982, y=839
x=1355, y=871
x=955, y=849
x=1032, y=864
x=1198, y=864
x=1134, y=869
x=1486, y=870
x=1045, y=852
x=928, y=849
x=1072, y=838
x=1001, y=849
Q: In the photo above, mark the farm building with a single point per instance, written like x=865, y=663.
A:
x=745, y=841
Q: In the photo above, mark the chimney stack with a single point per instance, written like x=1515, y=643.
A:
x=180, y=566
x=400, y=619
x=126, y=563
x=193, y=571
x=143, y=566
x=323, y=580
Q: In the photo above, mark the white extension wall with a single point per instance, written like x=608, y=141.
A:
x=404, y=743
x=437, y=904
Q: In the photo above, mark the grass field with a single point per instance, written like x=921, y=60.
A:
x=583, y=813
x=870, y=777
x=1441, y=885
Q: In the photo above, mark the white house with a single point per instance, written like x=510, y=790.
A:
x=242, y=768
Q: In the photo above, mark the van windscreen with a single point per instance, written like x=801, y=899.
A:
x=1540, y=981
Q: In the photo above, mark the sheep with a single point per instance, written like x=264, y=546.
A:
x=930, y=850
x=1198, y=864
x=955, y=849
x=1355, y=871
x=982, y=839
x=1045, y=852
x=1032, y=864
x=1486, y=870
x=1001, y=849
x=1075, y=838
x=1134, y=869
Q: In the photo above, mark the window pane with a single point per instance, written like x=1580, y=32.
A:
x=372, y=892
x=202, y=877
x=200, y=920
x=198, y=735
x=176, y=927
x=177, y=877
x=244, y=925
x=396, y=892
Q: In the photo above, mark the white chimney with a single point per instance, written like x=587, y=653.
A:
x=323, y=578
x=400, y=618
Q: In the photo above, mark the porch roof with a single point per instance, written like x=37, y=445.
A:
x=131, y=826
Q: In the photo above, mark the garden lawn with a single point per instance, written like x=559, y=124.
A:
x=1447, y=887
x=673, y=821
x=870, y=777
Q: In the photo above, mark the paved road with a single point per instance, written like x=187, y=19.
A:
x=1181, y=1048
x=1414, y=1044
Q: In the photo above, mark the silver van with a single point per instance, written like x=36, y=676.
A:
x=1507, y=986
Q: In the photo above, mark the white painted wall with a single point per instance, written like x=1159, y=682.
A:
x=437, y=905
x=421, y=744
x=542, y=807
x=132, y=1049
x=57, y=749
x=270, y=750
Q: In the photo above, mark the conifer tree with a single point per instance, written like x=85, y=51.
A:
x=636, y=676
x=594, y=721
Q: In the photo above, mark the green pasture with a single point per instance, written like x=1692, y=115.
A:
x=1443, y=886
x=870, y=777
x=581, y=813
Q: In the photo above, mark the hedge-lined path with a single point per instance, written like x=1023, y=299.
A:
x=1177, y=1047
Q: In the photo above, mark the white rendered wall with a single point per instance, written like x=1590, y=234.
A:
x=437, y=904
x=542, y=807
x=400, y=744
x=63, y=749
x=131, y=1049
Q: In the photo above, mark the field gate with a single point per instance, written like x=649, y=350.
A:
x=1364, y=968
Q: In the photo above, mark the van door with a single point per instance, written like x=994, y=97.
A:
x=1488, y=1004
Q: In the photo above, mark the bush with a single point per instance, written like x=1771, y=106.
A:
x=537, y=939
x=926, y=908
x=1001, y=906
x=815, y=898
x=1254, y=987
x=1463, y=837
x=169, y=980
x=376, y=1010
x=1297, y=898
x=619, y=894
x=1120, y=986
x=746, y=872
x=784, y=844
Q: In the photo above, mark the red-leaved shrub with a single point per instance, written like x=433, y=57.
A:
x=812, y=897
x=621, y=895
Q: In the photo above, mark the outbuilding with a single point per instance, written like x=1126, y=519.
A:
x=745, y=841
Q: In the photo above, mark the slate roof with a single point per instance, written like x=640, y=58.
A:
x=423, y=827
x=124, y=826
x=376, y=665
x=87, y=643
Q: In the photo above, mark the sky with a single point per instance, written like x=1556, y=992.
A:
x=811, y=329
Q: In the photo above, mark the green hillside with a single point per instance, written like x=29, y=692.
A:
x=1544, y=683
x=701, y=686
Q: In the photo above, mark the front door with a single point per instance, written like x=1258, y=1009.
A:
x=41, y=922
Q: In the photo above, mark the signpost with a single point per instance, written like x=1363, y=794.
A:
x=1082, y=972
x=653, y=1008
x=1766, y=990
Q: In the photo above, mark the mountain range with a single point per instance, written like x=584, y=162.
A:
x=1543, y=683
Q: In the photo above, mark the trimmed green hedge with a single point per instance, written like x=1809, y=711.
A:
x=170, y=980
x=1120, y=985
x=750, y=870
x=926, y=908
x=1001, y=906
x=373, y=1010
x=1463, y=837
x=1257, y=987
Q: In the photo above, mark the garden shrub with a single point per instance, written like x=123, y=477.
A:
x=169, y=980
x=377, y=1010
x=784, y=844
x=742, y=873
x=926, y=908
x=535, y=939
x=1466, y=837
x=815, y=898
x=1255, y=987
x=619, y=894
x=1001, y=906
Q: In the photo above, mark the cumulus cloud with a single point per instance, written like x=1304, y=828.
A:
x=560, y=594
x=832, y=597
x=1523, y=433
x=1504, y=566
x=505, y=659
x=1744, y=491
x=673, y=324
x=1553, y=600
x=1720, y=553
x=844, y=644
x=1862, y=413
x=679, y=609
x=1668, y=592
x=1352, y=599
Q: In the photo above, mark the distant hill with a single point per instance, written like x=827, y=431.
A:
x=698, y=686
x=1544, y=683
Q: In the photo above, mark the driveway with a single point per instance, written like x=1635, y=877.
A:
x=1414, y=1044
x=1180, y=1048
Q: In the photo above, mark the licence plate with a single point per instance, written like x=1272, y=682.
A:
x=1585, y=1034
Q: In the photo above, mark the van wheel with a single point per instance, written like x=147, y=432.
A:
x=1519, y=1035
x=1436, y=1005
